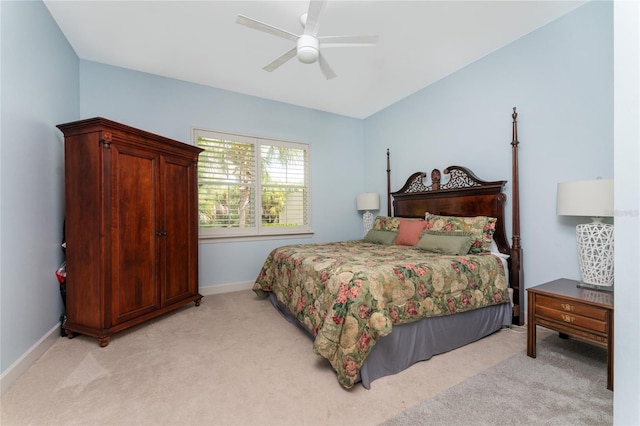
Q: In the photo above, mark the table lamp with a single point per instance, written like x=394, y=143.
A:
x=591, y=198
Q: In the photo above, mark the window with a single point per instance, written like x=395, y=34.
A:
x=251, y=186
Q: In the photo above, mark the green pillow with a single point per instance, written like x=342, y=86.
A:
x=452, y=243
x=378, y=236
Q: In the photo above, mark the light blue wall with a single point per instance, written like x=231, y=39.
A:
x=171, y=108
x=39, y=90
x=560, y=78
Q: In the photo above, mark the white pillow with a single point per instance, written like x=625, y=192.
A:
x=495, y=251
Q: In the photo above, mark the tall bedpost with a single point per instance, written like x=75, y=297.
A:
x=516, y=273
x=388, y=185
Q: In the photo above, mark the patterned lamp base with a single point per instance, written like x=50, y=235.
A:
x=595, y=251
x=367, y=220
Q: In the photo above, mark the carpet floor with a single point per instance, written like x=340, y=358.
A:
x=235, y=361
x=564, y=385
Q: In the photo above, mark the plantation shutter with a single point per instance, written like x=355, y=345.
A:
x=284, y=186
x=226, y=183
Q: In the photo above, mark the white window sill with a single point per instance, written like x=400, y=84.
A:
x=207, y=239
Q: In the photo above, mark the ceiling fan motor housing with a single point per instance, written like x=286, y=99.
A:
x=308, y=49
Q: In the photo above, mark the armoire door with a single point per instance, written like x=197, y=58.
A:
x=178, y=265
x=134, y=249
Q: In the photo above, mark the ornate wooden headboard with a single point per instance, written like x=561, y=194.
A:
x=464, y=194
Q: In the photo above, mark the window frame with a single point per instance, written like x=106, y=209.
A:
x=258, y=231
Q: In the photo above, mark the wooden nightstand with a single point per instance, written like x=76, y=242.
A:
x=582, y=313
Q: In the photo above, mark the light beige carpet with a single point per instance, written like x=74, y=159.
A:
x=231, y=361
x=565, y=385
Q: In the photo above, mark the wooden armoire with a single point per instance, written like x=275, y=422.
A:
x=131, y=226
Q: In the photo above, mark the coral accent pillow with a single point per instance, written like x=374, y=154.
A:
x=409, y=231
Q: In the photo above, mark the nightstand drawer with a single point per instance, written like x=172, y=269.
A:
x=570, y=307
x=571, y=318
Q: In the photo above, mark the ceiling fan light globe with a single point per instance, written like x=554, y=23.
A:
x=307, y=54
x=308, y=49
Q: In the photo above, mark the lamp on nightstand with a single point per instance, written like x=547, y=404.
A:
x=368, y=202
x=591, y=198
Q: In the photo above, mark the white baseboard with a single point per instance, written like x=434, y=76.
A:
x=225, y=288
x=22, y=364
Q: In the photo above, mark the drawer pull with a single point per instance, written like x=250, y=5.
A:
x=567, y=318
x=567, y=307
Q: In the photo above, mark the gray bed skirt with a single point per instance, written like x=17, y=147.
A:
x=420, y=340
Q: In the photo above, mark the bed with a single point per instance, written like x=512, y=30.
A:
x=436, y=273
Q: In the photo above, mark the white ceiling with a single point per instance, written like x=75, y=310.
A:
x=420, y=42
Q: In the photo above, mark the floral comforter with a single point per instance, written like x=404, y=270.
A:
x=350, y=294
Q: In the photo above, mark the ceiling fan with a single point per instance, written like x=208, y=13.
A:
x=308, y=44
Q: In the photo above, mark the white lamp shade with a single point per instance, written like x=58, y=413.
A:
x=591, y=198
x=368, y=201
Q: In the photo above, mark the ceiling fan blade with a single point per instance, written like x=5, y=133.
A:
x=281, y=60
x=312, y=25
x=346, y=41
x=326, y=69
x=270, y=29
